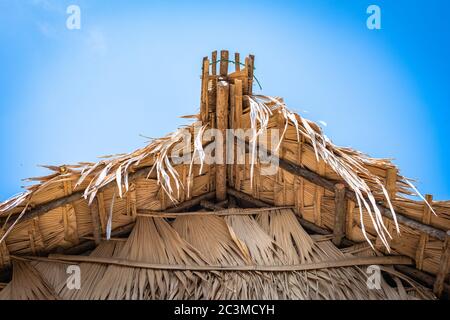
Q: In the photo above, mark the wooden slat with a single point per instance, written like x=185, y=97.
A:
x=223, y=63
x=36, y=239
x=391, y=182
x=251, y=64
x=214, y=63
x=222, y=125
x=340, y=211
x=204, y=108
x=96, y=226
x=69, y=214
x=131, y=201
x=443, y=267
x=102, y=211
x=237, y=64
x=426, y=219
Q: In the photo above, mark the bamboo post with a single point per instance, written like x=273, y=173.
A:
x=340, y=211
x=204, y=112
x=230, y=138
x=426, y=219
x=222, y=125
x=237, y=103
x=223, y=63
x=214, y=63
x=237, y=65
x=251, y=65
x=443, y=267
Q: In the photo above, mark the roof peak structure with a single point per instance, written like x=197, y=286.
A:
x=344, y=195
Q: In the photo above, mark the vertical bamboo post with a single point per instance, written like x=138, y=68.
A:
x=340, y=211
x=237, y=103
x=222, y=125
x=223, y=63
x=251, y=65
x=443, y=267
x=426, y=219
x=237, y=62
x=214, y=63
x=204, y=110
x=230, y=139
x=236, y=125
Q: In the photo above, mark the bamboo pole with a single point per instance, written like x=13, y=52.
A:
x=204, y=110
x=214, y=63
x=340, y=211
x=345, y=262
x=222, y=125
x=237, y=62
x=251, y=65
x=218, y=212
x=223, y=63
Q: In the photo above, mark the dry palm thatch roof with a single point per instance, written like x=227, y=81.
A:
x=66, y=208
x=268, y=239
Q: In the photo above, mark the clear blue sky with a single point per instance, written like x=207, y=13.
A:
x=134, y=67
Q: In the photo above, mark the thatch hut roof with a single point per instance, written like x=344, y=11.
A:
x=174, y=252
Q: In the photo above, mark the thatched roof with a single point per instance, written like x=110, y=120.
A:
x=65, y=209
x=224, y=245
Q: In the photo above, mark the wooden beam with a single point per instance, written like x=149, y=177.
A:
x=222, y=125
x=317, y=179
x=340, y=211
x=443, y=267
x=213, y=206
x=345, y=262
x=220, y=212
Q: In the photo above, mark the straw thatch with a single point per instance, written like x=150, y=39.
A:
x=273, y=238
x=75, y=202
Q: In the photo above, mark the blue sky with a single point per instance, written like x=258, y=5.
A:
x=133, y=68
